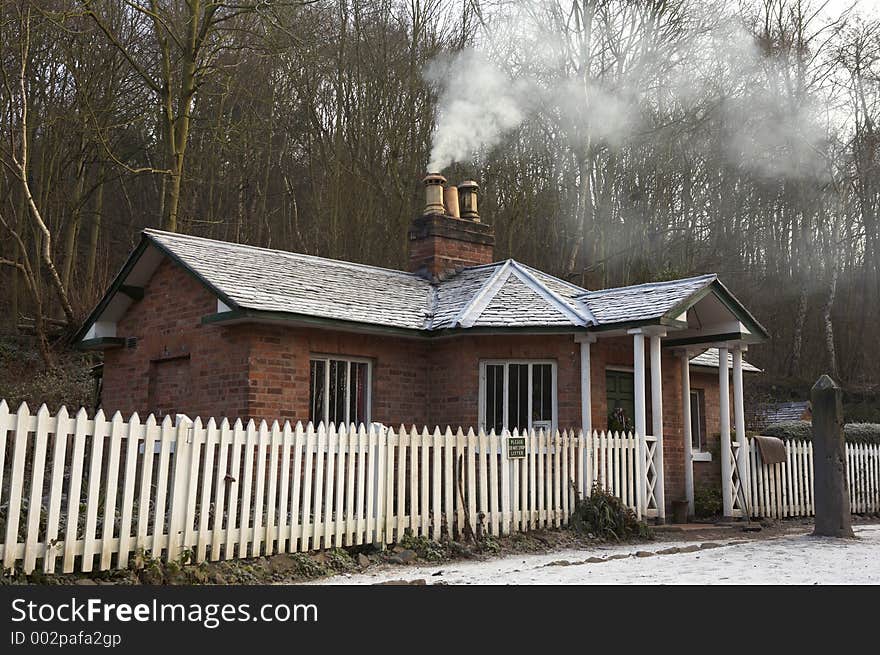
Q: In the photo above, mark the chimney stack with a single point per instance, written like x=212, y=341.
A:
x=434, y=183
x=467, y=191
x=448, y=235
x=450, y=199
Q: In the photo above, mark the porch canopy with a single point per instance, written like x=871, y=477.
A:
x=690, y=316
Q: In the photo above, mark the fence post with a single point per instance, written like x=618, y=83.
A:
x=831, y=494
x=179, y=486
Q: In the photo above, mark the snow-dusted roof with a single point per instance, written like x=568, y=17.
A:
x=506, y=294
x=503, y=294
x=770, y=413
x=642, y=301
x=709, y=359
x=260, y=279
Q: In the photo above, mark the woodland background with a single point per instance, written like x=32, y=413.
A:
x=308, y=125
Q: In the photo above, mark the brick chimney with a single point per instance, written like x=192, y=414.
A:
x=449, y=235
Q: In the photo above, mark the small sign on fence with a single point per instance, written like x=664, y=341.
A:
x=516, y=447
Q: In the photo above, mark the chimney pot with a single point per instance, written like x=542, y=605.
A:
x=450, y=199
x=434, y=183
x=467, y=192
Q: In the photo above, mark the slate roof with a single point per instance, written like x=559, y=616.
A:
x=280, y=281
x=504, y=294
x=770, y=413
x=642, y=301
x=709, y=359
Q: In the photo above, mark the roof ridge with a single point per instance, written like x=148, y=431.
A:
x=661, y=283
x=289, y=253
x=548, y=294
x=481, y=299
x=574, y=286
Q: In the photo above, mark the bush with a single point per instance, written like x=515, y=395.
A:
x=853, y=432
x=862, y=432
x=604, y=516
x=707, y=502
x=789, y=430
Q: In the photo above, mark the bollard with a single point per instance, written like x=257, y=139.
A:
x=829, y=461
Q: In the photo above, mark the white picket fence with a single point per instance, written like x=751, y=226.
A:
x=84, y=493
x=786, y=489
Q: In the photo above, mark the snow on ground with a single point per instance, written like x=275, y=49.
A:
x=795, y=559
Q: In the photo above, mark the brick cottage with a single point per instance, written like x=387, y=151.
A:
x=210, y=328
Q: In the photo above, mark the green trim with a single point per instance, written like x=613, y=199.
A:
x=114, y=287
x=249, y=315
x=740, y=311
x=135, y=293
x=728, y=300
x=690, y=301
x=101, y=343
x=706, y=339
x=629, y=325
x=527, y=330
x=118, y=282
x=705, y=367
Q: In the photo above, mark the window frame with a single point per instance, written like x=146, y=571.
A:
x=481, y=398
x=368, y=387
x=699, y=454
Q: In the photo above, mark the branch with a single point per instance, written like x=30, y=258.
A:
x=118, y=45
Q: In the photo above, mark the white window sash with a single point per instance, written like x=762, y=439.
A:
x=348, y=361
x=483, y=396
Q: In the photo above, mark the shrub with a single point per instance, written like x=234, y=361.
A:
x=707, y=502
x=862, y=432
x=789, y=430
x=853, y=432
x=604, y=516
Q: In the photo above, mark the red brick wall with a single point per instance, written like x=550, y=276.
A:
x=262, y=371
x=279, y=364
x=443, y=243
x=455, y=374
x=167, y=324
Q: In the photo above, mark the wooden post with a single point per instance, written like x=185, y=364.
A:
x=829, y=461
x=585, y=340
x=657, y=424
x=640, y=409
x=686, y=424
x=724, y=407
x=739, y=417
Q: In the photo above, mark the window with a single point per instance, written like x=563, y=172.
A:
x=698, y=421
x=621, y=399
x=339, y=391
x=517, y=395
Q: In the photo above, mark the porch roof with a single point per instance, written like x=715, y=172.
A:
x=710, y=359
x=253, y=284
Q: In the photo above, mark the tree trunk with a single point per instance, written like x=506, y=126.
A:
x=829, y=325
x=95, y=232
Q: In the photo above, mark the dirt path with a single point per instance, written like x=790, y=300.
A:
x=792, y=557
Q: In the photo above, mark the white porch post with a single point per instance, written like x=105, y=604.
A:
x=657, y=422
x=739, y=415
x=724, y=402
x=585, y=340
x=640, y=409
x=686, y=424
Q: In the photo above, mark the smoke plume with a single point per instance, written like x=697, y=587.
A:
x=711, y=66
x=479, y=103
